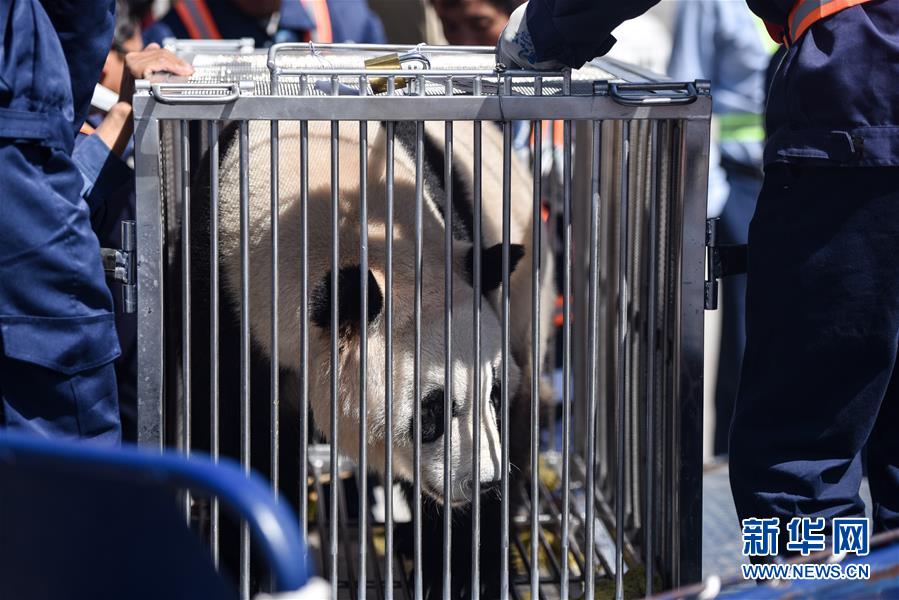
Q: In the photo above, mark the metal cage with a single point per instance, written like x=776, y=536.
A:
x=618, y=164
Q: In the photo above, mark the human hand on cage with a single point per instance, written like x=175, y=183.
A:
x=150, y=61
x=515, y=48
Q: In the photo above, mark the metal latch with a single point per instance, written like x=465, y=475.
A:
x=721, y=261
x=395, y=62
x=121, y=265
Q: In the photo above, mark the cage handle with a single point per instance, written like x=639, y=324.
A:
x=686, y=93
x=158, y=90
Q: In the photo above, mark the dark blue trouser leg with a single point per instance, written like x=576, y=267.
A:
x=57, y=335
x=883, y=460
x=822, y=320
x=53, y=404
x=733, y=229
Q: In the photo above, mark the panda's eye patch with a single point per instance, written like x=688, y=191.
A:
x=432, y=415
x=496, y=392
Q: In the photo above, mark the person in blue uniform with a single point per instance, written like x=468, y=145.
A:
x=819, y=381
x=269, y=21
x=724, y=42
x=57, y=334
x=102, y=153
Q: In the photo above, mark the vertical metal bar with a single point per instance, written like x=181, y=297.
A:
x=275, y=396
x=688, y=358
x=388, y=361
x=150, y=321
x=566, y=340
x=214, y=323
x=535, y=348
x=185, y=299
x=416, y=412
x=648, y=516
x=621, y=400
x=304, y=327
x=363, y=345
x=447, y=348
x=476, y=384
x=335, y=356
x=244, y=343
x=506, y=354
x=592, y=352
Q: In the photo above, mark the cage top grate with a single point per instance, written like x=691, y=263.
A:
x=345, y=73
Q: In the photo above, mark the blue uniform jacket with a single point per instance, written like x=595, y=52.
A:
x=52, y=53
x=108, y=189
x=55, y=307
x=351, y=21
x=834, y=99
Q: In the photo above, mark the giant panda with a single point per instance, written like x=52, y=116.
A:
x=349, y=298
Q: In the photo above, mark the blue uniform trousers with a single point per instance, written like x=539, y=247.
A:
x=57, y=337
x=819, y=383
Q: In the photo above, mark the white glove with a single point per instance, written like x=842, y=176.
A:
x=515, y=48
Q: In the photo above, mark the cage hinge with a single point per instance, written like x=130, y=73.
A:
x=121, y=265
x=721, y=261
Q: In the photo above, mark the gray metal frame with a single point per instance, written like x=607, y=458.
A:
x=633, y=198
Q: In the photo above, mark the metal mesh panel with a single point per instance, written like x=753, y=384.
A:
x=345, y=252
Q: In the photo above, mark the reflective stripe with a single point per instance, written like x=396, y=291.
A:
x=197, y=20
x=322, y=17
x=808, y=12
x=741, y=127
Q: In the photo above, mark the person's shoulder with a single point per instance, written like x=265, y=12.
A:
x=169, y=25
x=355, y=20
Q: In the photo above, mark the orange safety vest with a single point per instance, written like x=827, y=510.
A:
x=200, y=25
x=197, y=20
x=806, y=13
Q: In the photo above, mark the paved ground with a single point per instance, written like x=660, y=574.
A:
x=720, y=530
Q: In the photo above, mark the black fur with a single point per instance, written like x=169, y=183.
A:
x=492, y=265
x=349, y=289
x=432, y=416
x=434, y=179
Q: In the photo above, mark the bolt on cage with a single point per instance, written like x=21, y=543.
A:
x=618, y=161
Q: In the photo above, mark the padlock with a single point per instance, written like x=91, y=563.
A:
x=387, y=62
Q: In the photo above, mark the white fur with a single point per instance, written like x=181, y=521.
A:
x=432, y=317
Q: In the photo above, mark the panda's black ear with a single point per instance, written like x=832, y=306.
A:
x=349, y=286
x=492, y=265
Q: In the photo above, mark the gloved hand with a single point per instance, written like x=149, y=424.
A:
x=515, y=48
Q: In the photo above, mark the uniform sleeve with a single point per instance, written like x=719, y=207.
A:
x=103, y=173
x=156, y=33
x=575, y=31
x=85, y=29
x=374, y=30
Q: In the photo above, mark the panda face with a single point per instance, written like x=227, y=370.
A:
x=462, y=406
x=465, y=427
